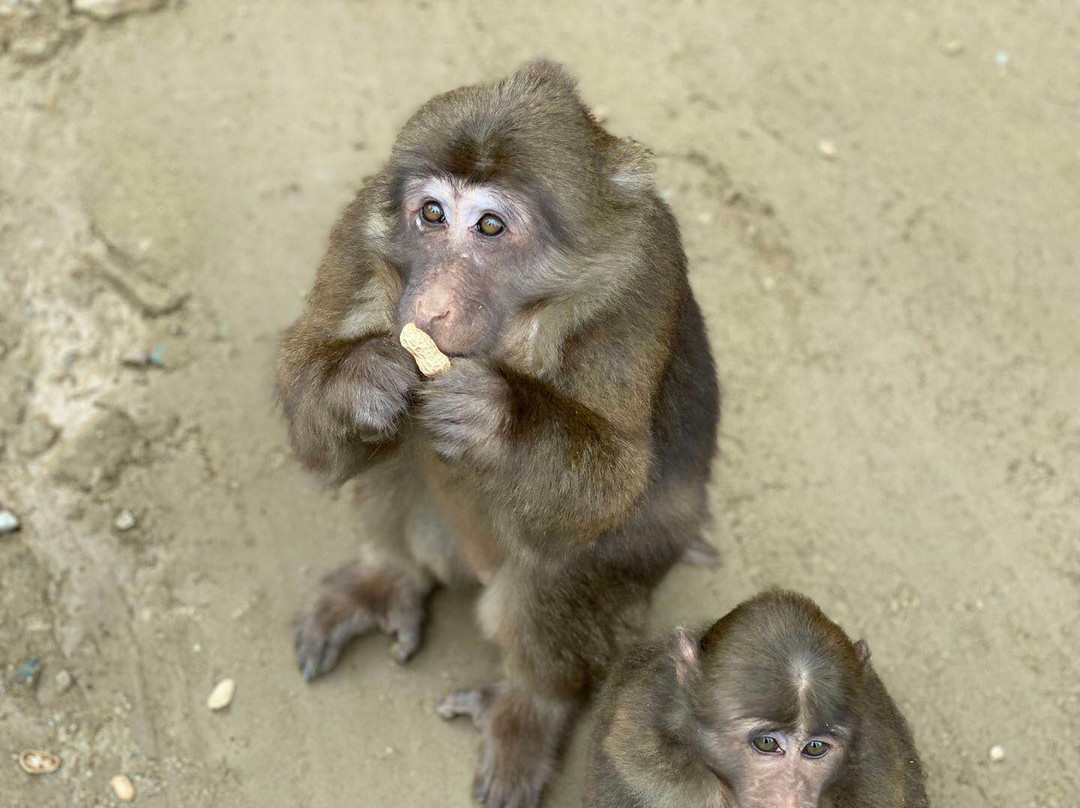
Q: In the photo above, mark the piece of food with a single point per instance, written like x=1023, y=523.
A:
x=429, y=358
x=35, y=762
x=123, y=788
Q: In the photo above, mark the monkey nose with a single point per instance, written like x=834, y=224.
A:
x=432, y=309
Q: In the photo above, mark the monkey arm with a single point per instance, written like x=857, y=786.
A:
x=572, y=462
x=552, y=464
x=343, y=381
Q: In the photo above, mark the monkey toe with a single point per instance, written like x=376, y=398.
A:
x=701, y=553
x=407, y=644
x=474, y=704
x=319, y=647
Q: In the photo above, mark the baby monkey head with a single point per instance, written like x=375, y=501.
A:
x=496, y=200
x=777, y=689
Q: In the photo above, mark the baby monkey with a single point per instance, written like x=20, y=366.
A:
x=771, y=707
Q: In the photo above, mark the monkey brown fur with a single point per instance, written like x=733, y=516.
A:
x=679, y=719
x=562, y=459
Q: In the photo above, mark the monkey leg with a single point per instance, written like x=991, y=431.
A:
x=386, y=589
x=522, y=736
x=558, y=631
x=376, y=592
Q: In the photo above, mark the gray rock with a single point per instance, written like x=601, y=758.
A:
x=97, y=454
x=37, y=436
x=133, y=279
x=34, y=49
x=111, y=9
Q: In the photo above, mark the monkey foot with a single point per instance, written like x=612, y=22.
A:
x=355, y=600
x=522, y=736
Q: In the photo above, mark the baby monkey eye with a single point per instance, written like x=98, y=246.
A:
x=815, y=749
x=432, y=212
x=766, y=744
x=490, y=225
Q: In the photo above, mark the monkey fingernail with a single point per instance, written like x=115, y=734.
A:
x=429, y=358
x=309, y=672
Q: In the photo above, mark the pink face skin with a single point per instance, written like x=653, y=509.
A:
x=791, y=774
x=461, y=277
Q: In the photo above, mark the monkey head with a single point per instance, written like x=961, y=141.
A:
x=488, y=191
x=775, y=694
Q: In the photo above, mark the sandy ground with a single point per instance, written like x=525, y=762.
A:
x=895, y=324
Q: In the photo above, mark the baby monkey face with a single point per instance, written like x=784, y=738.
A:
x=770, y=766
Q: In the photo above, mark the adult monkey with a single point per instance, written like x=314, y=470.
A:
x=771, y=707
x=562, y=459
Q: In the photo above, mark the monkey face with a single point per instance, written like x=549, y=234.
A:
x=501, y=199
x=767, y=766
x=466, y=252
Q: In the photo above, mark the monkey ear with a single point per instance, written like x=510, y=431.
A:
x=632, y=166
x=687, y=658
x=862, y=651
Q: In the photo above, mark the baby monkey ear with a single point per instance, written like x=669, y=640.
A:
x=632, y=167
x=862, y=652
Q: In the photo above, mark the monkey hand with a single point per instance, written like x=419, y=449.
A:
x=465, y=412
x=338, y=407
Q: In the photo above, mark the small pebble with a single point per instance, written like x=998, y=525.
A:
x=1002, y=61
x=827, y=149
x=954, y=47
x=222, y=695
x=600, y=114
x=997, y=753
x=123, y=788
x=27, y=673
x=125, y=521
x=9, y=522
x=64, y=681
x=34, y=762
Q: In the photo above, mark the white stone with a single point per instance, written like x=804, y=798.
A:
x=222, y=695
x=125, y=521
x=64, y=681
x=9, y=522
x=997, y=753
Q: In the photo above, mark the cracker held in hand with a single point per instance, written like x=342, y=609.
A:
x=429, y=358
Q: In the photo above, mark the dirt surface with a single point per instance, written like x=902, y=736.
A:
x=881, y=205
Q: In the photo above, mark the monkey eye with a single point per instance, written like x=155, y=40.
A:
x=766, y=743
x=816, y=749
x=490, y=225
x=432, y=212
